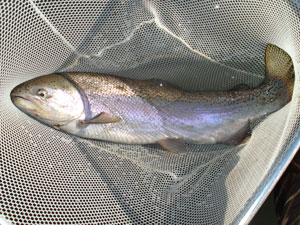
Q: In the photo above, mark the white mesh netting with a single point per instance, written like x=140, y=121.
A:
x=48, y=177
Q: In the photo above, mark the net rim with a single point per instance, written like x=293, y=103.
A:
x=262, y=193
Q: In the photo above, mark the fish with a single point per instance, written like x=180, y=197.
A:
x=117, y=109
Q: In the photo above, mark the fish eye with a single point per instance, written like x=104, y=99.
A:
x=42, y=93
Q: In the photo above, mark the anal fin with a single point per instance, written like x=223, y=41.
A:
x=175, y=145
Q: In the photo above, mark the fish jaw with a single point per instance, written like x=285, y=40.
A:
x=24, y=104
x=30, y=106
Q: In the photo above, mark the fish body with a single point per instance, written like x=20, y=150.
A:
x=130, y=111
x=150, y=112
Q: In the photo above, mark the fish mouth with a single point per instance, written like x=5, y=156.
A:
x=20, y=101
x=13, y=97
x=28, y=106
x=24, y=103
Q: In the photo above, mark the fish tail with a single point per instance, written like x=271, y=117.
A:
x=280, y=65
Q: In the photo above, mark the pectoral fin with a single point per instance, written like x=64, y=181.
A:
x=175, y=145
x=101, y=118
x=104, y=118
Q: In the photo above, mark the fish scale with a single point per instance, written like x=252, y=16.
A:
x=123, y=110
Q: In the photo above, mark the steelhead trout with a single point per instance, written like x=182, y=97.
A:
x=130, y=111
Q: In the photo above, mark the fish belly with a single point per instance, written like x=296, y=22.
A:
x=147, y=122
x=203, y=123
x=140, y=122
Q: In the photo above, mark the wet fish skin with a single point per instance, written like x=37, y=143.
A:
x=150, y=112
x=144, y=112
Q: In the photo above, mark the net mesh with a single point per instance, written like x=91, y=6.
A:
x=49, y=177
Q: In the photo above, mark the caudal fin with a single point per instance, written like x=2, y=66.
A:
x=280, y=65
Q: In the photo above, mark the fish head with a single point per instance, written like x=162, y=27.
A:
x=51, y=99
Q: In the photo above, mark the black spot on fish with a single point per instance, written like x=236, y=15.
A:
x=122, y=88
